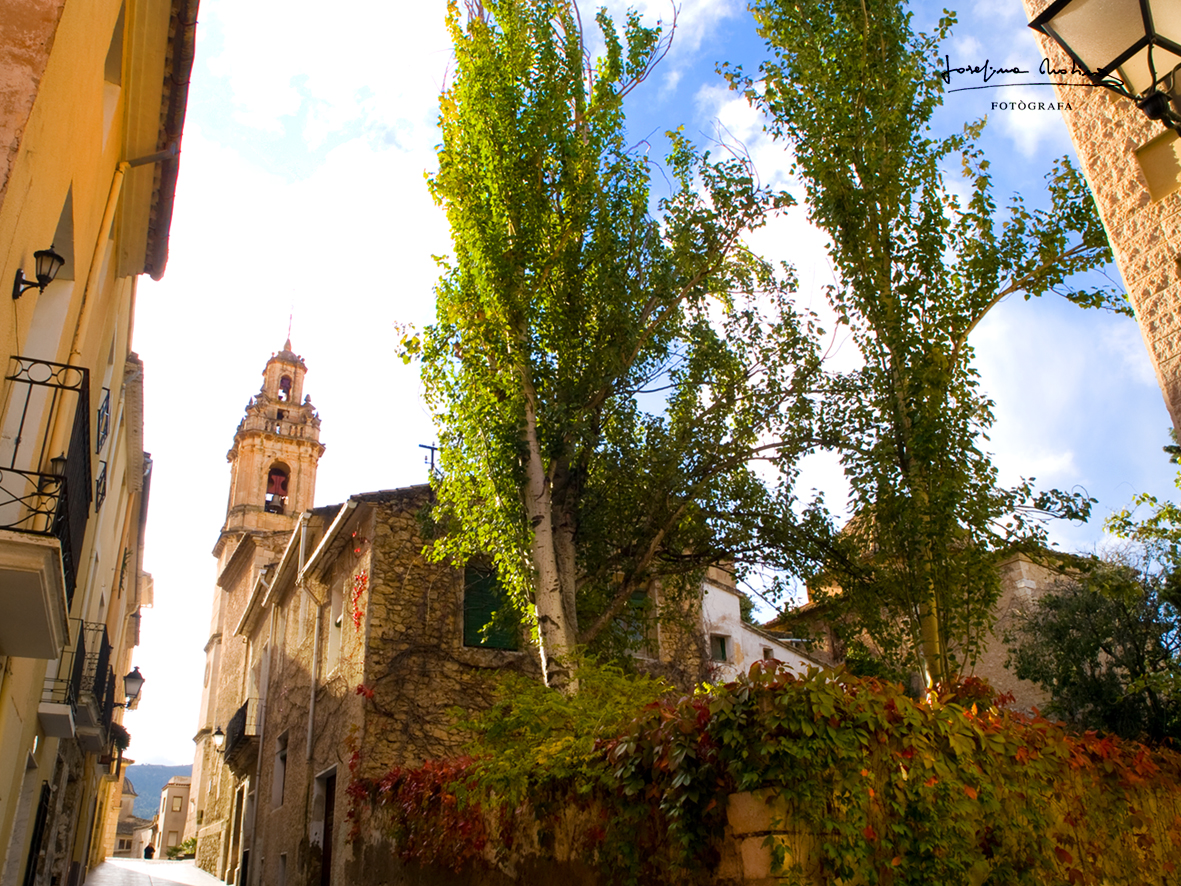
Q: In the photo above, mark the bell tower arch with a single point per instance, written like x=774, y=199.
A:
x=276, y=451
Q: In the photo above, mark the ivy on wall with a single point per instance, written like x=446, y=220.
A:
x=891, y=791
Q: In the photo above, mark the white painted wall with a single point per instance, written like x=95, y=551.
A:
x=744, y=644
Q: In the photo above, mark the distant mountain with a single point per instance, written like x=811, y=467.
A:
x=148, y=781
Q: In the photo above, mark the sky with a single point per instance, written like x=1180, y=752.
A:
x=302, y=200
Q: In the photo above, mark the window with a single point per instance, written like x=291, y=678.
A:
x=488, y=618
x=285, y=389
x=279, y=774
x=124, y=844
x=640, y=625
x=172, y=838
x=283, y=869
x=719, y=647
x=768, y=653
x=335, y=627
x=176, y=801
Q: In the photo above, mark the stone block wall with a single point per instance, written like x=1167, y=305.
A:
x=1023, y=582
x=1145, y=235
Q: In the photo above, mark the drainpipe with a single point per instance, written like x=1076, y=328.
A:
x=303, y=542
x=263, y=692
x=315, y=679
x=303, y=548
x=104, y=233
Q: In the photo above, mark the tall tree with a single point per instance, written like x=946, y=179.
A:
x=569, y=307
x=852, y=88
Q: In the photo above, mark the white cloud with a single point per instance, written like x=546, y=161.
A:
x=695, y=21
x=378, y=63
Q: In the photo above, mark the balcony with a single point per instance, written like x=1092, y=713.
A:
x=59, y=700
x=79, y=702
x=241, y=745
x=44, y=503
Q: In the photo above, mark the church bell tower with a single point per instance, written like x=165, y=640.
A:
x=275, y=453
x=272, y=483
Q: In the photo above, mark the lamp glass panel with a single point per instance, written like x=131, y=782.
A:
x=1099, y=31
x=48, y=263
x=133, y=683
x=1135, y=71
x=1166, y=19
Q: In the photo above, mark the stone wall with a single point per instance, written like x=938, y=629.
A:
x=215, y=787
x=1146, y=235
x=421, y=673
x=1023, y=582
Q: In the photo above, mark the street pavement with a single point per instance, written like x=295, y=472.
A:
x=141, y=872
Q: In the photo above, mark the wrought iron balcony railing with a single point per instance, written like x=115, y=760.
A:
x=97, y=671
x=95, y=706
x=242, y=726
x=41, y=494
x=67, y=686
x=102, y=421
x=100, y=486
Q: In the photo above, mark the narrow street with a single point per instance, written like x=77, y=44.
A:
x=141, y=872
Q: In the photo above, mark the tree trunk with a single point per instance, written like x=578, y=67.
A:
x=556, y=634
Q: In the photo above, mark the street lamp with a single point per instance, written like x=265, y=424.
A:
x=1132, y=47
x=132, y=684
x=219, y=738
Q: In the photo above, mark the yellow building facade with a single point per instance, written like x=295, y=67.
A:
x=92, y=100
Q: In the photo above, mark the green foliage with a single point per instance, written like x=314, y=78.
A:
x=1160, y=531
x=904, y=791
x=567, y=303
x=852, y=88
x=1106, y=647
x=882, y=789
x=187, y=849
x=120, y=737
x=746, y=609
x=532, y=734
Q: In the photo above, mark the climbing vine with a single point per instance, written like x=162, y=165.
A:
x=954, y=789
x=360, y=584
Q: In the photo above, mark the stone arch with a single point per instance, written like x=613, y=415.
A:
x=278, y=478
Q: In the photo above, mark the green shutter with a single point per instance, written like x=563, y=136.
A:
x=483, y=596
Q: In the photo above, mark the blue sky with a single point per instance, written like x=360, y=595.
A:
x=302, y=193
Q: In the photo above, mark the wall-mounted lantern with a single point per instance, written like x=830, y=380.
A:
x=48, y=264
x=132, y=684
x=1132, y=47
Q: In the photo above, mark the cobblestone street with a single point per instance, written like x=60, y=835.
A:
x=141, y=872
